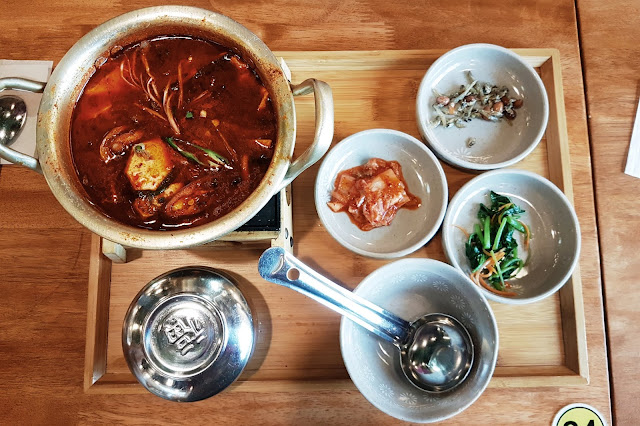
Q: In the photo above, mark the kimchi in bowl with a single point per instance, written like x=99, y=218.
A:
x=400, y=231
x=61, y=162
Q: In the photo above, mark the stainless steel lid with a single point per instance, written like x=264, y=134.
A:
x=188, y=334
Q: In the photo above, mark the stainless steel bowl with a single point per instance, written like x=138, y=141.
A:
x=188, y=334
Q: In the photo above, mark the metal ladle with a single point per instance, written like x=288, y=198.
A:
x=436, y=351
x=13, y=115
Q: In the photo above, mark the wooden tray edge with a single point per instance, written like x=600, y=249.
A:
x=95, y=364
x=558, y=155
x=576, y=373
x=118, y=384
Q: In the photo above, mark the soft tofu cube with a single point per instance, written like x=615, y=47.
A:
x=149, y=164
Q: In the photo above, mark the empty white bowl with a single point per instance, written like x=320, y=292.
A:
x=497, y=144
x=411, y=288
x=555, y=232
x=411, y=229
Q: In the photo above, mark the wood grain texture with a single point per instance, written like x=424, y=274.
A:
x=541, y=344
x=99, y=289
x=45, y=254
x=610, y=33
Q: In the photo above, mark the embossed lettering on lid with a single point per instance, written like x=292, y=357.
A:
x=184, y=335
x=188, y=334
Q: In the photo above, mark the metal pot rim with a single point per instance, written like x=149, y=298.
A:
x=75, y=68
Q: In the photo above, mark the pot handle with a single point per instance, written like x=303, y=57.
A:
x=324, y=127
x=15, y=83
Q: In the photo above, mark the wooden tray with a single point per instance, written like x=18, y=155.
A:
x=541, y=344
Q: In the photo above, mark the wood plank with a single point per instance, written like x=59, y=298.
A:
x=299, y=338
x=609, y=41
x=45, y=253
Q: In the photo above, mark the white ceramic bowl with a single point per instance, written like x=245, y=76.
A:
x=555, y=231
x=498, y=144
x=411, y=229
x=411, y=288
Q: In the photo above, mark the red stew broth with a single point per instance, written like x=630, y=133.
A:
x=219, y=103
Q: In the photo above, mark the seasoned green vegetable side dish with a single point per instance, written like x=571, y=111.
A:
x=492, y=249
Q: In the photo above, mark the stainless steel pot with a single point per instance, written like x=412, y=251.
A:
x=77, y=66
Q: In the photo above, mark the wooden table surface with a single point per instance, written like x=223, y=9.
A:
x=44, y=253
x=609, y=36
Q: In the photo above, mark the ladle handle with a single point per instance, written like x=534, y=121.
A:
x=280, y=267
x=7, y=153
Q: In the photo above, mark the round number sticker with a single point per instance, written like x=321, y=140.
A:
x=579, y=415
